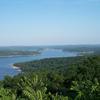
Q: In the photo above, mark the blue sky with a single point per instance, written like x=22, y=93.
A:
x=49, y=22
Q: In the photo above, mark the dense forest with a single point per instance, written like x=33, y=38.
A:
x=72, y=78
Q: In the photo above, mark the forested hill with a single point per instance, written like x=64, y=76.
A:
x=73, y=78
x=49, y=64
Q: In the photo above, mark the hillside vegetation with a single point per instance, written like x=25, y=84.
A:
x=73, y=78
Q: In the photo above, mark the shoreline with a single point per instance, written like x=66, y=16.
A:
x=16, y=68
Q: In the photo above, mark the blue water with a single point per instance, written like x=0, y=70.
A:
x=7, y=62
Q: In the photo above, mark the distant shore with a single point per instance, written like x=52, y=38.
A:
x=7, y=53
x=10, y=56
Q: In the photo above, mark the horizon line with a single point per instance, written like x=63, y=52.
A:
x=47, y=45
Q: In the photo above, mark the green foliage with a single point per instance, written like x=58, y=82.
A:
x=86, y=90
x=76, y=78
x=7, y=94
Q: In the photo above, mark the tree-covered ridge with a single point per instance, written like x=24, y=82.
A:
x=76, y=78
x=49, y=63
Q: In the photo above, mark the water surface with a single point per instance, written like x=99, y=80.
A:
x=6, y=63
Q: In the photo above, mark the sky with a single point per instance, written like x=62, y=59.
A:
x=49, y=22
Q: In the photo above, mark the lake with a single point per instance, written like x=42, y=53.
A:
x=6, y=63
